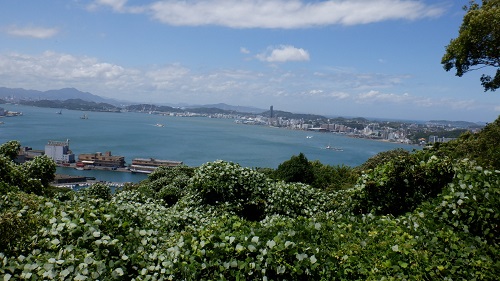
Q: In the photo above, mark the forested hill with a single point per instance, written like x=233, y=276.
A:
x=73, y=104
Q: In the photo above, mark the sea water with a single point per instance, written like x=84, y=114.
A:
x=192, y=140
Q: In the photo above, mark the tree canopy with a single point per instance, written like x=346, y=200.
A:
x=478, y=43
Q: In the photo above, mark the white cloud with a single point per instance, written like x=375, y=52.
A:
x=339, y=96
x=284, y=53
x=244, y=50
x=176, y=83
x=116, y=5
x=285, y=14
x=32, y=31
x=407, y=100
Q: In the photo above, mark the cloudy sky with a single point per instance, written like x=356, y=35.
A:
x=369, y=58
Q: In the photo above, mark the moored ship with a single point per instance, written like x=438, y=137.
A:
x=148, y=165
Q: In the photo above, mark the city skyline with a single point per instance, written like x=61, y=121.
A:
x=376, y=59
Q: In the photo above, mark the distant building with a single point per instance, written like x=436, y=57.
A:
x=271, y=112
x=59, y=151
x=104, y=160
x=27, y=154
x=434, y=139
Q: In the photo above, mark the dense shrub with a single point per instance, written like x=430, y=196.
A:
x=240, y=189
x=20, y=219
x=402, y=184
x=333, y=177
x=482, y=147
x=295, y=199
x=382, y=158
x=98, y=190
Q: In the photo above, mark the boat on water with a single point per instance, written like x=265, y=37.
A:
x=309, y=137
x=329, y=147
x=159, y=125
x=59, y=112
x=84, y=116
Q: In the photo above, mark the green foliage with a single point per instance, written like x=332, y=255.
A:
x=471, y=202
x=297, y=169
x=31, y=177
x=98, y=190
x=403, y=183
x=333, y=177
x=10, y=149
x=41, y=168
x=482, y=147
x=20, y=218
x=169, y=183
x=477, y=43
x=382, y=158
x=170, y=193
x=238, y=188
x=295, y=199
x=449, y=232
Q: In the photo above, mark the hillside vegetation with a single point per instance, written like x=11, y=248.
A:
x=426, y=215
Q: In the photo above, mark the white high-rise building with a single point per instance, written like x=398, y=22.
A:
x=59, y=151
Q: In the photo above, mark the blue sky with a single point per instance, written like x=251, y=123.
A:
x=369, y=58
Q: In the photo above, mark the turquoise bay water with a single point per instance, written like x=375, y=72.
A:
x=193, y=140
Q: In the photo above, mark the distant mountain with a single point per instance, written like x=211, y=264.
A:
x=17, y=94
x=290, y=115
x=73, y=104
x=454, y=124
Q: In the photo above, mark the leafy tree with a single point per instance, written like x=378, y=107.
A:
x=333, y=177
x=478, y=43
x=41, y=168
x=297, y=169
x=10, y=149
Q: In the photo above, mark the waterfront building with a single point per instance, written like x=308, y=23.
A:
x=27, y=154
x=103, y=160
x=148, y=165
x=59, y=151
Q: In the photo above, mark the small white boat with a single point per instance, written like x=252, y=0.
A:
x=333, y=148
x=159, y=125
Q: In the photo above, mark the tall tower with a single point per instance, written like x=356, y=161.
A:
x=271, y=111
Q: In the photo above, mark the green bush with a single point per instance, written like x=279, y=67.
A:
x=98, y=190
x=382, y=158
x=240, y=189
x=402, y=184
x=482, y=147
x=333, y=177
